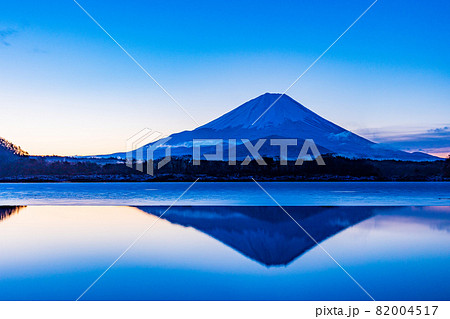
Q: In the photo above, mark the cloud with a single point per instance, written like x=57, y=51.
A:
x=440, y=130
x=435, y=140
x=343, y=136
x=5, y=34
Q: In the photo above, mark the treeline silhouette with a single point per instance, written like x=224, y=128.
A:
x=9, y=151
x=25, y=168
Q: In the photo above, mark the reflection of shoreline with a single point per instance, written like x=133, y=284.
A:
x=8, y=211
x=266, y=234
x=435, y=217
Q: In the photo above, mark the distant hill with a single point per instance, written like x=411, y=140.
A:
x=9, y=151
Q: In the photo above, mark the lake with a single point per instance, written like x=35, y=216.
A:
x=225, y=241
x=229, y=193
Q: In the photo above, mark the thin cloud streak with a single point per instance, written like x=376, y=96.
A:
x=434, y=141
x=5, y=34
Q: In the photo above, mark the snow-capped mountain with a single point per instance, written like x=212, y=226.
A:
x=286, y=119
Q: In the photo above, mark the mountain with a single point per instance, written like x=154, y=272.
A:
x=286, y=119
x=9, y=151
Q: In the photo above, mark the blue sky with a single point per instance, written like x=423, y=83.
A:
x=68, y=89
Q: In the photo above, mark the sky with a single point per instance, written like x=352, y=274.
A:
x=66, y=88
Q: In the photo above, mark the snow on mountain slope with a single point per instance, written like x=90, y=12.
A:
x=284, y=109
x=285, y=119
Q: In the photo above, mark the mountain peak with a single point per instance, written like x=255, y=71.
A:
x=270, y=94
x=268, y=109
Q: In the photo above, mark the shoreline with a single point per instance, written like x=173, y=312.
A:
x=178, y=179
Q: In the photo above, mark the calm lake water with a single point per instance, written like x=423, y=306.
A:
x=225, y=241
x=224, y=252
x=229, y=194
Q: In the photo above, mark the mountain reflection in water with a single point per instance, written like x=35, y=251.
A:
x=224, y=253
x=266, y=234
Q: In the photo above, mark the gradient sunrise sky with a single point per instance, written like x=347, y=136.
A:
x=67, y=88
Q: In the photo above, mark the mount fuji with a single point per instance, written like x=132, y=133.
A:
x=286, y=119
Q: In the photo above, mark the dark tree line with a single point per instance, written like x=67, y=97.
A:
x=40, y=168
x=447, y=167
x=181, y=169
x=273, y=169
x=336, y=168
